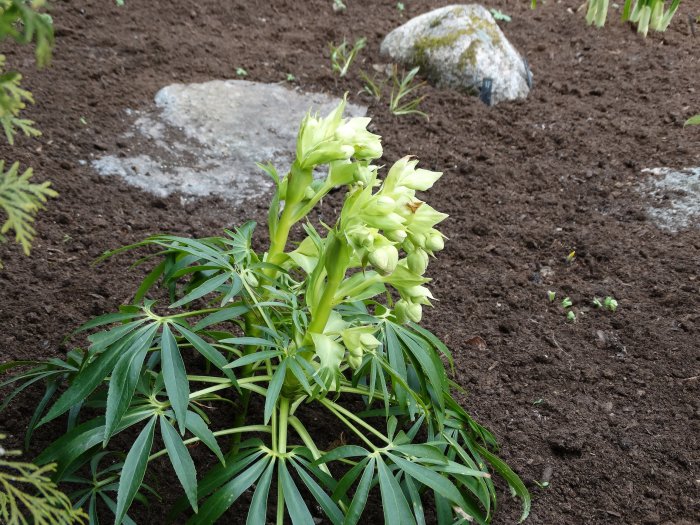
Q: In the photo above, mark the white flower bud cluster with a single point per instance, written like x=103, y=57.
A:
x=358, y=341
x=333, y=138
x=380, y=225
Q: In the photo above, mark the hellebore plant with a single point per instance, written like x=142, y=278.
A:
x=254, y=346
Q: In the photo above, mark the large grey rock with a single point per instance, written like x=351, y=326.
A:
x=205, y=139
x=675, y=194
x=459, y=46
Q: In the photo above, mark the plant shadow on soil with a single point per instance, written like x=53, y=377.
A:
x=609, y=405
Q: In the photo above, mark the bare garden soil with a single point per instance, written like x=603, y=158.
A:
x=605, y=409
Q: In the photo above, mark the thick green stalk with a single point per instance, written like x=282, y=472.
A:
x=281, y=449
x=240, y=418
x=336, y=261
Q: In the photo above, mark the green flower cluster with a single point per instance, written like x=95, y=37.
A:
x=384, y=230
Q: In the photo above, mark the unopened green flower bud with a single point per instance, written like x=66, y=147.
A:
x=404, y=173
x=388, y=222
x=396, y=235
x=435, y=242
x=369, y=342
x=419, y=294
x=419, y=239
x=354, y=360
x=418, y=261
x=381, y=205
x=400, y=311
x=384, y=259
x=414, y=312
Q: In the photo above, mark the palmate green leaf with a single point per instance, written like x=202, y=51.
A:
x=273, y=390
x=255, y=357
x=181, y=461
x=199, y=428
x=346, y=451
x=414, y=497
x=225, y=314
x=296, y=507
x=435, y=481
x=210, y=353
x=126, y=374
x=397, y=511
x=327, y=504
x=514, y=481
x=109, y=319
x=134, y=470
x=359, y=500
x=426, y=359
x=112, y=506
x=51, y=388
x=174, y=376
x=92, y=375
x=102, y=340
x=208, y=287
x=219, y=475
x=148, y=282
x=227, y=495
x=71, y=445
x=257, y=512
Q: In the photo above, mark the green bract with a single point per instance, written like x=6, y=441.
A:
x=253, y=346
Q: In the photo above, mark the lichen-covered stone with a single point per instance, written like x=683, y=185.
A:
x=459, y=46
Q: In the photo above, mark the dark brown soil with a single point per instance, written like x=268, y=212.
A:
x=608, y=405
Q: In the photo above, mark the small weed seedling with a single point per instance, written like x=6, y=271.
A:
x=400, y=7
x=500, y=15
x=342, y=55
x=609, y=303
x=551, y=296
x=339, y=6
x=372, y=86
x=240, y=72
x=646, y=14
x=566, y=303
x=291, y=78
x=402, y=88
x=693, y=121
x=571, y=316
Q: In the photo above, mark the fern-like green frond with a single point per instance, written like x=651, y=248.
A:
x=21, y=200
x=22, y=21
x=28, y=496
x=13, y=100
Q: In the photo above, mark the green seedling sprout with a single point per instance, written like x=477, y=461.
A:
x=597, y=303
x=339, y=6
x=402, y=88
x=570, y=258
x=571, y=316
x=551, y=296
x=400, y=6
x=290, y=77
x=610, y=303
x=500, y=15
x=693, y=121
x=342, y=56
x=371, y=86
x=240, y=72
x=566, y=302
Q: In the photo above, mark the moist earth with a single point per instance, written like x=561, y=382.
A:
x=605, y=410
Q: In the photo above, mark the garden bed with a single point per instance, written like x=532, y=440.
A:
x=605, y=409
